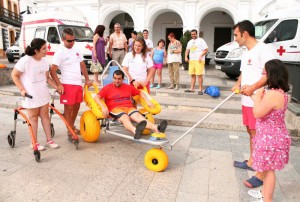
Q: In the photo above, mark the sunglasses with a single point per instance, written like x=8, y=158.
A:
x=70, y=41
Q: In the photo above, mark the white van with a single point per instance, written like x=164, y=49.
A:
x=280, y=30
x=49, y=26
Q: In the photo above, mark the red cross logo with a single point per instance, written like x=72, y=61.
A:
x=280, y=50
x=249, y=62
x=49, y=47
x=89, y=47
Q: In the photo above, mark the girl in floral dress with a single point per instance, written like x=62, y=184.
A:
x=271, y=143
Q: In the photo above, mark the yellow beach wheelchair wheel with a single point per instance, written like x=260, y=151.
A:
x=89, y=127
x=156, y=160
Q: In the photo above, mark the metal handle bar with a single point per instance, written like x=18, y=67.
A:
x=207, y=115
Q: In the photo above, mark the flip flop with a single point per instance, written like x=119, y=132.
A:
x=162, y=126
x=139, y=129
x=189, y=91
x=253, y=182
x=242, y=165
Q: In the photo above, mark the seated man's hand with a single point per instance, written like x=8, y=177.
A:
x=88, y=83
x=150, y=104
x=105, y=112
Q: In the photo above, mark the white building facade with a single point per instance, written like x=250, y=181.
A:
x=212, y=18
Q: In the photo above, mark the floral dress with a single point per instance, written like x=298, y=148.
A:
x=272, y=141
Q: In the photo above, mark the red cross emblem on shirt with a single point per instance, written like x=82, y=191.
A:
x=249, y=62
x=49, y=47
x=89, y=47
x=281, y=50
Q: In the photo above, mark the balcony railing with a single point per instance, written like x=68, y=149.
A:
x=9, y=17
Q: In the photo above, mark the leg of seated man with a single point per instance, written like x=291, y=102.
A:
x=137, y=117
x=125, y=120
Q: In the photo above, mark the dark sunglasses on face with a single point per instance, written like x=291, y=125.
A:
x=69, y=41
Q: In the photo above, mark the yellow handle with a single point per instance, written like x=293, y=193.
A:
x=237, y=91
x=86, y=88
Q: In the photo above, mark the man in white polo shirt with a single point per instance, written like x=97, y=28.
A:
x=149, y=42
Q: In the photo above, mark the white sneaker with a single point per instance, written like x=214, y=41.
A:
x=40, y=147
x=52, y=144
x=255, y=194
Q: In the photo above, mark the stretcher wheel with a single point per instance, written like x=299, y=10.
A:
x=52, y=129
x=89, y=127
x=150, y=118
x=11, y=139
x=156, y=160
x=37, y=155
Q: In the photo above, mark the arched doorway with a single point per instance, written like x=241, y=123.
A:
x=164, y=24
x=126, y=23
x=216, y=29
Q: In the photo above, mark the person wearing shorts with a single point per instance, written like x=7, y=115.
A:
x=69, y=86
x=158, y=55
x=196, y=49
x=117, y=97
x=252, y=78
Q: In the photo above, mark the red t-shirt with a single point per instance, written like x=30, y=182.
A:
x=118, y=96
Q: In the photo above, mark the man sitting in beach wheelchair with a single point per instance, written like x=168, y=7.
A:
x=117, y=97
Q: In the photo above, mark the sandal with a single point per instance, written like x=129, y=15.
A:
x=255, y=194
x=242, y=165
x=76, y=131
x=253, y=182
x=189, y=91
x=139, y=129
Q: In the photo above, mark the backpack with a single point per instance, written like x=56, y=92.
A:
x=212, y=91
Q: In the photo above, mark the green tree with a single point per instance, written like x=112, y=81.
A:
x=184, y=41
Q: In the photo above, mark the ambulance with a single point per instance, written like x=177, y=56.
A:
x=49, y=26
x=279, y=30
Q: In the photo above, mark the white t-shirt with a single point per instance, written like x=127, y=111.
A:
x=68, y=61
x=252, y=67
x=196, y=47
x=34, y=81
x=137, y=68
x=149, y=44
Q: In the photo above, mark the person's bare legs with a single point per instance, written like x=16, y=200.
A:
x=137, y=117
x=193, y=81
x=70, y=113
x=33, y=116
x=200, y=81
x=44, y=114
x=269, y=185
x=125, y=120
x=252, y=133
x=159, y=72
x=96, y=80
x=152, y=78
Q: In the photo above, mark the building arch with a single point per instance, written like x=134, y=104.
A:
x=215, y=6
x=109, y=12
x=157, y=10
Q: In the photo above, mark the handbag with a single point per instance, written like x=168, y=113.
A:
x=96, y=67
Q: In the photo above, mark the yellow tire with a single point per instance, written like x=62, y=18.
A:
x=150, y=118
x=156, y=160
x=89, y=127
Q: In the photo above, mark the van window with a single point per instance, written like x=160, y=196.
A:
x=40, y=32
x=52, y=36
x=262, y=27
x=80, y=33
x=286, y=30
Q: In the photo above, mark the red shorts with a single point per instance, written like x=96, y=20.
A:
x=158, y=66
x=73, y=94
x=248, y=117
